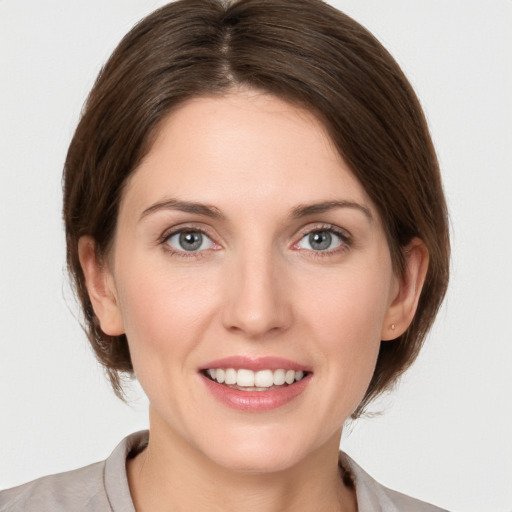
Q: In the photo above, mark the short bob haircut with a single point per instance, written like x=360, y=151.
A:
x=303, y=51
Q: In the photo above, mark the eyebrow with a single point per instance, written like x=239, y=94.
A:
x=184, y=206
x=213, y=212
x=314, y=208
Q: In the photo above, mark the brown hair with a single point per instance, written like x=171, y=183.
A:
x=303, y=51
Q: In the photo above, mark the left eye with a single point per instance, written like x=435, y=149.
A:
x=189, y=241
x=323, y=240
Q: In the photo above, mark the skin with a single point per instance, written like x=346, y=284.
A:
x=255, y=288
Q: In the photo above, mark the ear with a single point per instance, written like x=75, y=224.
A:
x=101, y=289
x=407, y=292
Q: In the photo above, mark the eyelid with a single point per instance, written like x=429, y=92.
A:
x=322, y=226
x=187, y=227
x=204, y=239
x=343, y=234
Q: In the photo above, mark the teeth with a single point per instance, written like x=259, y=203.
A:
x=231, y=376
x=220, y=375
x=279, y=377
x=245, y=378
x=249, y=379
x=264, y=379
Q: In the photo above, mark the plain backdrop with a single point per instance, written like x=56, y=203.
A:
x=445, y=434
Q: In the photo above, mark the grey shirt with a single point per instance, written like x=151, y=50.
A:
x=103, y=487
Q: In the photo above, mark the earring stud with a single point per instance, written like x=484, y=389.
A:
x=393, y=327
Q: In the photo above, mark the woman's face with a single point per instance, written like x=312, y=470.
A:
x=246, y=246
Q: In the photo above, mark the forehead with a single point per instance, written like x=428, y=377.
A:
x=248, y=145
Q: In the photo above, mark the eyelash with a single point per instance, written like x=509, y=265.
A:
x=163, y=240
x=345, y=238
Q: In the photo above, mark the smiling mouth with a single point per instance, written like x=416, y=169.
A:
x=248, y=380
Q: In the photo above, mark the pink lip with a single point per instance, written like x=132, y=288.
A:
x=256, y=364
x=255, y=401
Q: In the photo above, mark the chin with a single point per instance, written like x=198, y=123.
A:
x=248, y=453
x=255, y=461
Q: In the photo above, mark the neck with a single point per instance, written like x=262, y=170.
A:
x=171, y=475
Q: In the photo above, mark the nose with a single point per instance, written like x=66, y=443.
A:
x=258, y=300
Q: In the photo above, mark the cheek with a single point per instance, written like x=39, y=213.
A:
x=163, y=312
x=346, y=320
x=349, y=308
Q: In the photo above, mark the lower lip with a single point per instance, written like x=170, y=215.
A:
x=256, y=401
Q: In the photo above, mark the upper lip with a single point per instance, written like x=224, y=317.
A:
x=256, y=363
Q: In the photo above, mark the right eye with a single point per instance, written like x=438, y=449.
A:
x=189, y=241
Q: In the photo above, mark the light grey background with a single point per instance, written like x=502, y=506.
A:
x=446, y=433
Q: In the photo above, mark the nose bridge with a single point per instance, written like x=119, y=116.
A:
x=255, y=303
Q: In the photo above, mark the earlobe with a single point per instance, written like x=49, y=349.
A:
x=405, y=301
x=100, y=287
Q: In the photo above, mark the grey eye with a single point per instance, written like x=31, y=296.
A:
x=321, y=240
x=189, y=241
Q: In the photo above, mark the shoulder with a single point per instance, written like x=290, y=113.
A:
x=373, y=497
x=81, y=489
x=100, y=487
x=402, y=502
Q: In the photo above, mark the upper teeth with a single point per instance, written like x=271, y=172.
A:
x=259, y=379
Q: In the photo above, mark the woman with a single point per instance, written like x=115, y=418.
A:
x=256, y=229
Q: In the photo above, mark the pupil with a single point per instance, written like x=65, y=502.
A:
x=320, y=240
x=191, y=241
